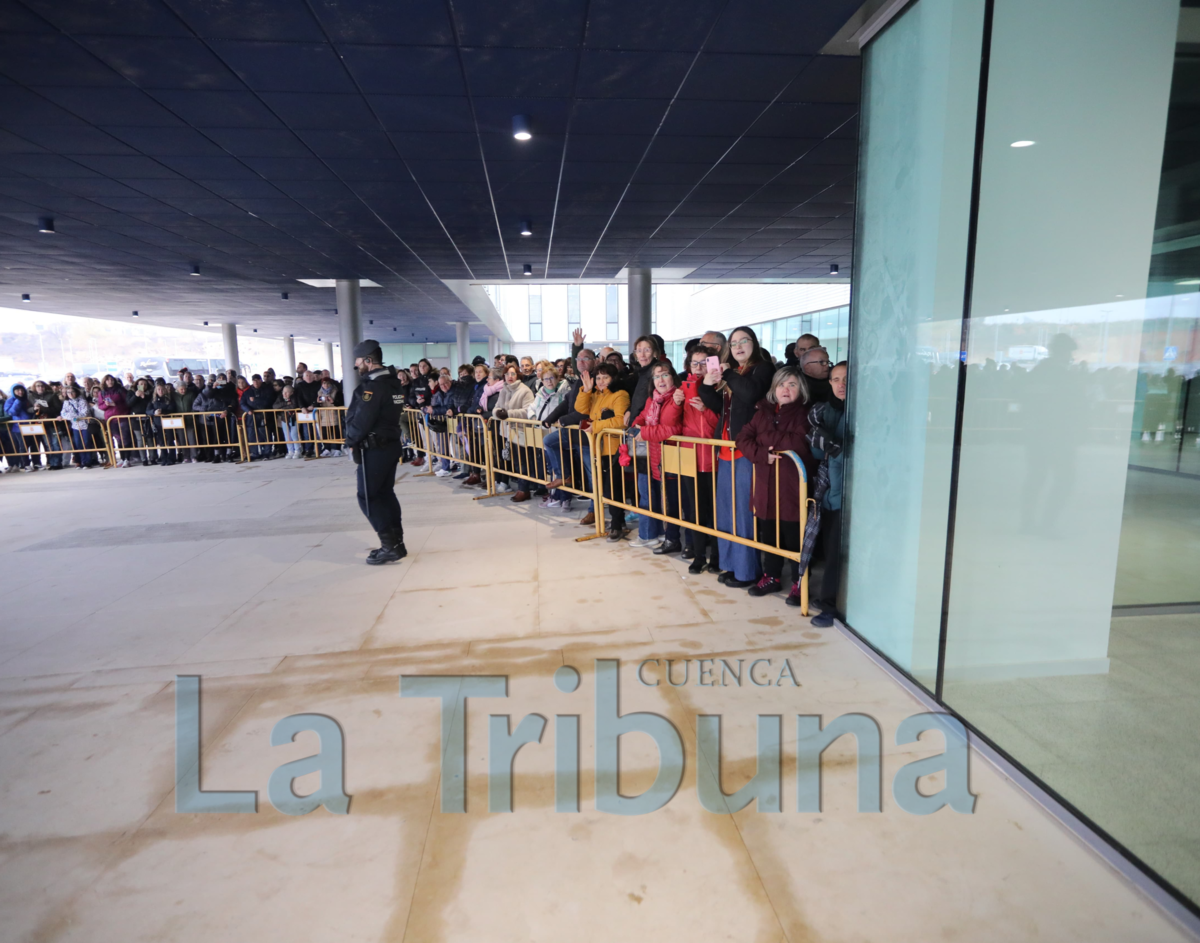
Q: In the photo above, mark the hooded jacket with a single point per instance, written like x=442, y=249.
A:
x=17, y=409
x=777, y=428
x=111, y=402
x=47, y=405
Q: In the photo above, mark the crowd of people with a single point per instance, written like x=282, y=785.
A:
x=728, y=388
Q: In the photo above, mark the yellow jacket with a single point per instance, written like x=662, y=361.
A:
x=594, y=403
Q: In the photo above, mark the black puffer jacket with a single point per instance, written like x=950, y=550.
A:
x=741, y=396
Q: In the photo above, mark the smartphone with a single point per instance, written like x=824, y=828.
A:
x=713, y=363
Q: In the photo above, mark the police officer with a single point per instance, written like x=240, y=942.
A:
x=373, y=434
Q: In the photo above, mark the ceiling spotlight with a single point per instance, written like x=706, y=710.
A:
x=206, y=324
x=135, y=314
x=46, y=224
x=370, y=322
x=526, y=228
x=283, y=295
x=195, y=269
x=1022, y=143
x=521, y=128
x=833, y=269
x=291, y=335
x=528, y=269
x=25, y=298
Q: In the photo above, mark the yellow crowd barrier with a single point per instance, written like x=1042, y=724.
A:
x=312, y=431
x=176, y=436
x=461, y=438
x=51, y=442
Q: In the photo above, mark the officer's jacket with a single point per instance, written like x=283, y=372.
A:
x=376, y=407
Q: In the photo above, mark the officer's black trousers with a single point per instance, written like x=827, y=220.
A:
x=376, y=489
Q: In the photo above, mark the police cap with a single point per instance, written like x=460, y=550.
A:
x=368, y=349
x=479, y=362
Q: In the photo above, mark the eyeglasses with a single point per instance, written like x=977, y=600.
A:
x=819, y=363
x=744, y=342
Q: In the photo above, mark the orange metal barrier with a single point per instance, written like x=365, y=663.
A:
x=619, y=486
x=175, y=437
x=51, y=443
x=316, y=432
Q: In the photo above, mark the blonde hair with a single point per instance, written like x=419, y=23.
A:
x=544, y=366
x=497, y=373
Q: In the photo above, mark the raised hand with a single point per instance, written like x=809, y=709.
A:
x=677, y=396
x=578, y=336
x=586, y=382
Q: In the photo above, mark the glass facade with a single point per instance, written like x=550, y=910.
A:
x=1024, y=484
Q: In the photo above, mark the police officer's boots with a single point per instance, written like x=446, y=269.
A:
x=391, y=551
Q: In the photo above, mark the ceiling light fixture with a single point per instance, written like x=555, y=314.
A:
x=527, y=270
x=135, y=314
x=1022, y=143
x=370, y=322
x=206, y=324
x=283, y=295
x=833, y=268
x=256, y=330
x=526, y=228
x=521, y=128
x=195, y=269
x=25, y=298
x=46, y=224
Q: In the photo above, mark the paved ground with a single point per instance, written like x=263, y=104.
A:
x=113, y=582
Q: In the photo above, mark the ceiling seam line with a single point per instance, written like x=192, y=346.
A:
x=654, y=136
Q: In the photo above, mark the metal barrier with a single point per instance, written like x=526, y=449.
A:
x=463, y=439
x=204, y=435
x=310, y=432
x=23, y=443
x=616, y=485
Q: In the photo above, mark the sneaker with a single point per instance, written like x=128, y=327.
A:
x=823, y=620
x=462, y=475
x=549, y=502
x=767, y=584
x=501, y=487
x=668, y=546
x=616, y=533
x=443, y=473
x=646, y=542
x=793, y=598
x=734, y=583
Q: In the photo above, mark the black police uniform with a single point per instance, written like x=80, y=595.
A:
x=373, y=432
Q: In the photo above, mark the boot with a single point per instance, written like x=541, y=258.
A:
x=391, y=551
x=668, y=546
x=472, y=481
x=588, y=519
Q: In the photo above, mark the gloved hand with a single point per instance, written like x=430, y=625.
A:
x=607, y=414
x=500, y=413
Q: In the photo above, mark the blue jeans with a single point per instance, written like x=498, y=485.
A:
x=649, y=528
x=739, y=558
x=291, y=437
x=553, y=447
x=82, y=439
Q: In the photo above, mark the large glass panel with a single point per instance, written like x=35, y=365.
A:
x=1075, y=528
x=919, y=102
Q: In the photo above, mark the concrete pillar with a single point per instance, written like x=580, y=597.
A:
x=462, y=335
x=329, y=359
x=639, y=304
x=289, y=355
x=493, y=348
x=232, y=360
x=349, y=306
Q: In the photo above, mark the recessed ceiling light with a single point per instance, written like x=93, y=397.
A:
x=370, y=322
x=833, y=269
x=527, y=270
x=195, y=269
x=25, y=298
x=256, y=330
x=283, y=295
x=526, y=228
x=1022, y=143
x=46, y=224
x=521, y=128
x=135, y=314
x=206, y=324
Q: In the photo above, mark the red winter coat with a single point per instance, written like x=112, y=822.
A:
x=700, y=425
x=775, y=428
x=670, y=422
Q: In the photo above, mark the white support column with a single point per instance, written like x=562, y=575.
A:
x=493, y=348
x=232, y=360
x=289, y=355
x=462, y=335
x=349, y=306
x=329, y=359
x=639, y=305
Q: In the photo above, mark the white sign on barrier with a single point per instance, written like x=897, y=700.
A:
x=176, y=423
x=305, y=417
x=35, y=428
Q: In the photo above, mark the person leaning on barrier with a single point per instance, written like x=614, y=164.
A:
x=373, y=435
x=780, y=424
x=699, y=422
x=828, y=436
x=605, y=408
x=46, y=404
x=515, y=397
x=558, y=456
x=76, y=411
x=161, y=404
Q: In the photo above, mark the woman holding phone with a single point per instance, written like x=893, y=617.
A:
x=733, y=391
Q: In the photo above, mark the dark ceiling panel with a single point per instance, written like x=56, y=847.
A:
x=275, y=139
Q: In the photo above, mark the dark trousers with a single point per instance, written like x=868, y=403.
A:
x=698, y=509
x=377, y=489
x=789, y=539
x=831, y=544
x=615, y=486
x=670, y=486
